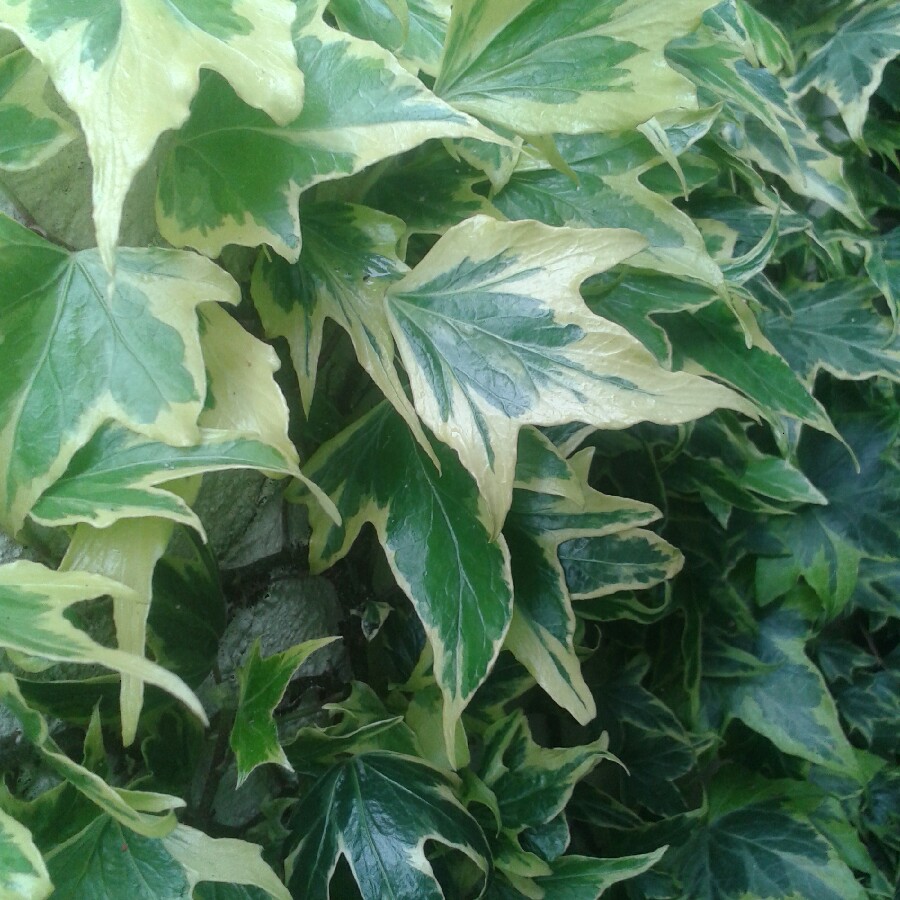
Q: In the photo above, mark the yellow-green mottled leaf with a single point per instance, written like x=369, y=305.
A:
x=385, y=22
x=850, y=65
x=541, y=66
x=75, y=354
x=494, y=335
x=30, y=132
x=240, y=184
x=23, y=875
x=436, y=534
x=147, y=813
x=129, y=69
x=608, y=193
x=33, y=600
x=415, y=803
x=262, y=683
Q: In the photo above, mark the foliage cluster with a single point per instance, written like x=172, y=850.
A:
x=590, y=309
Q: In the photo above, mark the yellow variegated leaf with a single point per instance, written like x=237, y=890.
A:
x=494, y=335
x=23, y=875
x=129, y=69
x=76, y=353
x=30, y=132
x=542, y=66
x=240, y=184
x=33, y=601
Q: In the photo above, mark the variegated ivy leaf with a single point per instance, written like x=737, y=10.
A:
x=532, y=783
x=607, y=193
x=129, y=69
x=384, y=21
x=428, y=23
x=106, y=861
x=33, y=602
x=494, y=335
x=540, y=66
x=429, y=190
x=437, y=537
x=539, y=524
x=30, y=132
x=128, y=552
x=147, y=813
x=706, y=338
x=240, y=185
x=62, y=317
x=23, y=874
x=761, y=123
x=850, y=65
x=835, y=326
x=348, y=260
x=262, y=683
x=415, y=803
x=587, y=877
x=120, y=475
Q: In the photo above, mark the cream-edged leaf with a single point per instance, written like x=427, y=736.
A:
x=262, y=683
x=377, y=810
x=437, y=537
x=129, y=69
x=74, y=353
x=850, y=66
x=240, y=184
x=23, y=874
x=348, y=261
x=541, y=66
x=145, y=812
x=33, y=602
x=30, y=132
x=608, y=193
x=494, y=335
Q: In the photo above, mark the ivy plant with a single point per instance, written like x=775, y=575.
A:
x=589, y=309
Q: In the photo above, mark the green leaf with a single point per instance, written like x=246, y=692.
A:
x=107, y=861
x=538, y=66
x=789, y=703
x=494, y=335
x=23, y=875
x=33, y=601
x=61, y=308
x=30, y=132
x=835, y=326
x=849, y=67
x=436, y=534
x=240, y=185
x=262, y=683
x=130, y=73
x=755, y=847
x=606, y=192
x=147, y=813
x=533, y=784
x=377, y=810
x=587, y=878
